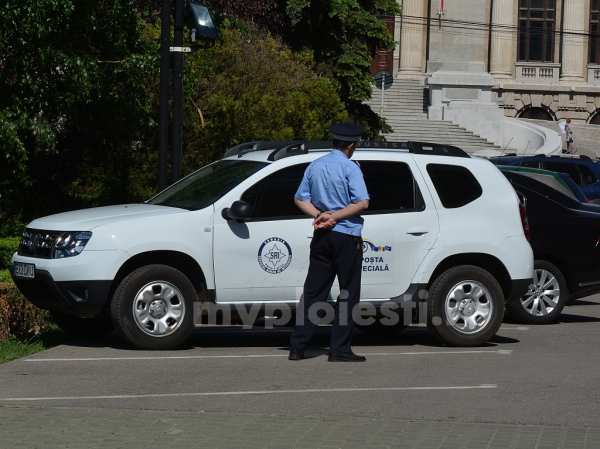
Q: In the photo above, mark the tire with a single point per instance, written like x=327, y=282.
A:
x=152, y=308
x=82, y=327
x=543, y=303
x=465, y=306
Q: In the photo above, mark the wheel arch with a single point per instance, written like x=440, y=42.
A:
x=180, y=261
x=487, y=262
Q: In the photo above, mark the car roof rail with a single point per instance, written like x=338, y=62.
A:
x=436, y=149
x=298, y=147
x=287, y=148
x=258, y=145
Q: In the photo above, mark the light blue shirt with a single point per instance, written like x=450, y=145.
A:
x=332, y=182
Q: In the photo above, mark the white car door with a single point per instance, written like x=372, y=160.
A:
x=265, y=258
x=401, y=225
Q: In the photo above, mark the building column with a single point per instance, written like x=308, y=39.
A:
x=574, y=43
x=411, y=35
x=502, y=39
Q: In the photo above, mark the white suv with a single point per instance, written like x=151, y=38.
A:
x=442, y=229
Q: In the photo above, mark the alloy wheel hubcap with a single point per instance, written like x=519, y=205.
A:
x=543, y=296
x=159, y=308
x=468, y=307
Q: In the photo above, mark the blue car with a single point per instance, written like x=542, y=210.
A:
x=584, y=171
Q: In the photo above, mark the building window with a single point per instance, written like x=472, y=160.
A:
x=594, y=32
x=536, y=30
x=595, y=120
x=536, y=114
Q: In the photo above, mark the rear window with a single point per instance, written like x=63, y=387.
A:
x=455, y=185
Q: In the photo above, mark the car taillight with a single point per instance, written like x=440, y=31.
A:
x=525, y=222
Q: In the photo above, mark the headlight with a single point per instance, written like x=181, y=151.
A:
x=69, y=244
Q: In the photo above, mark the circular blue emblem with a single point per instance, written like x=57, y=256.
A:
x=274, y=255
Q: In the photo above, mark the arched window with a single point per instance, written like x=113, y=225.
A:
x=595, y=120
x=536, y=30
x=536, y=114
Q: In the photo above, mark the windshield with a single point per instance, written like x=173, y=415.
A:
x=205, y=186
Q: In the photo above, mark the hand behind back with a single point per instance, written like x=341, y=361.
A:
x=324, y=221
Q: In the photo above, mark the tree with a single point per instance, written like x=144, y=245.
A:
x=73, y=77
x=341, y=36
x=249, y=87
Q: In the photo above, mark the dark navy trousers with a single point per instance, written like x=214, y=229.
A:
x=331, y=254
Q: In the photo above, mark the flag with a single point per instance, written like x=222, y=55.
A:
x=443, y=6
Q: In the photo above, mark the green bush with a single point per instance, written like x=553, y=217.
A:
x=5, y=276
x=20, y=318
x=8, y=246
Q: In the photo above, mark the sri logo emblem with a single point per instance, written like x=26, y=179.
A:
x=274, y=255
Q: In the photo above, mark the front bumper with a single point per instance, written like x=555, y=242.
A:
x=76, y=285
x=82, y=298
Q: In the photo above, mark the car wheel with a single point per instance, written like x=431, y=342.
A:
x=465, y=306
x=546, y=298
x=82, y=327
x=152, y=308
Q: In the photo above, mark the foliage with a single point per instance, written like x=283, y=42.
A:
x=20, y=318
x=341, y=36
x=5, y=276
x=12, y=349
x=73, y=76
x=265, y=14
x=248, y=87
x=8, y=246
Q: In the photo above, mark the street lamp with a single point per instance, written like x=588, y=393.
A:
x=198, y=19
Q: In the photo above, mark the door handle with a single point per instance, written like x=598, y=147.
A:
x=417, y=231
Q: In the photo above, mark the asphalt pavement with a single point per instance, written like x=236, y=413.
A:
x=530, y=387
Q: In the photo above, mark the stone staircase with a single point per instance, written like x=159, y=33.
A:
x=405, y=108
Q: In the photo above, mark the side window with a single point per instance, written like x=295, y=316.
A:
x=455, y=185
x=273, y=197
x=391, y=187
x=570, y=169
x=529, y=164
x=589, y=176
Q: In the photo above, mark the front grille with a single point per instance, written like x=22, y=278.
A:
x=37, y=243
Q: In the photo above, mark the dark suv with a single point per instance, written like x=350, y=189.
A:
x=583, y=170
x=565, y=238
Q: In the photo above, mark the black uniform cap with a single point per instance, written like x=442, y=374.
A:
x=348, y=132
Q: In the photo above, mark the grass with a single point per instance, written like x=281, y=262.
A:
x=5, y=276
x=13, y=348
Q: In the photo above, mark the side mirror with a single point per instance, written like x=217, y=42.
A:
x=239, y=210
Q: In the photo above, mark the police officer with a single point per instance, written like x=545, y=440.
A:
x=334, y=193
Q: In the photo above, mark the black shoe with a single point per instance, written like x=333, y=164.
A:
x=346, y=357
x=296, y=354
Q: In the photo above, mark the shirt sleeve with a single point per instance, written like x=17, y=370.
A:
x=303, y=192
x=357, y=186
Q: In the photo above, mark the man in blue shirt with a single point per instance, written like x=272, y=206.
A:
x=334, y=193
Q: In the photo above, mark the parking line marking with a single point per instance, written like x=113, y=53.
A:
x=518, y=328
x=241, y=393
x=250, y=356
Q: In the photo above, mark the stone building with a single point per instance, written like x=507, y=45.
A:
x=535, y=59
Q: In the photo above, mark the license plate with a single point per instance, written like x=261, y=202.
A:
x=24, y=270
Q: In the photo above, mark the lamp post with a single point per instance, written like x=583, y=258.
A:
x=198, y=19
